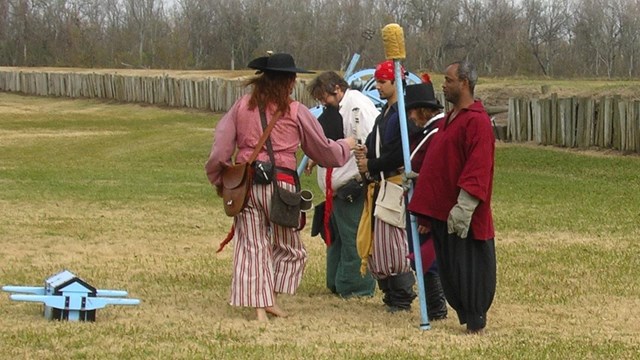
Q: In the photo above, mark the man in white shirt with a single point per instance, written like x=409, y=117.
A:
x=343, y=185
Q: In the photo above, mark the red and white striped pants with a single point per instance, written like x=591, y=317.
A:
x=390, y=251
x=268, y=258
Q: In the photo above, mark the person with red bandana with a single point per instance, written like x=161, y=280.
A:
x=458, y=200
x=386, y=248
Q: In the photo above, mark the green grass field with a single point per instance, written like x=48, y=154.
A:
x=117, y=194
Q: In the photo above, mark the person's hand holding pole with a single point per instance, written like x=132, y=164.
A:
x=361, y=158
x=353, y=142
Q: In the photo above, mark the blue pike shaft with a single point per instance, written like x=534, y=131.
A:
x=413, y=231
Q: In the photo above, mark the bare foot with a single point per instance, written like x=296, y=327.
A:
x=261, y=315
x=276, y=311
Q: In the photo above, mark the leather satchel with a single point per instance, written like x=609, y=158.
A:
x=236, y=182
x=237, y=179
x=285, y=205
x=351, y=191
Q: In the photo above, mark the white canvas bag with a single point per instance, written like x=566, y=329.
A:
x=390, y=205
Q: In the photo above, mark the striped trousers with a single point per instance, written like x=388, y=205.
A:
x=268, y=258
x=390, y=250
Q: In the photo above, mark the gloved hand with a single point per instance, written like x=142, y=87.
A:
x=406, y=183
x=460, y=215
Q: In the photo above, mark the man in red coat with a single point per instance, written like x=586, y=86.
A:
x=458, y=201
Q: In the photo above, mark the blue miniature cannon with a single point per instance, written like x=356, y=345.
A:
x=67, y=297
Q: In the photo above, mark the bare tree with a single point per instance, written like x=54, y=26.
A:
x=598, y=31
x=503, y=37
x=20, y=25
x=424, y=33
x=630, y=36
x=197, y=20
x=5, y=40
x=548, y=25
x=113, y=31
x=238, y=23
x=500, y=36
x=143, y=18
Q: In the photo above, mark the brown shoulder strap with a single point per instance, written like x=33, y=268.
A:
x=264, y=136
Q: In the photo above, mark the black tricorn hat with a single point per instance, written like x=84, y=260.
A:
x=277, y=62
x=420, y=95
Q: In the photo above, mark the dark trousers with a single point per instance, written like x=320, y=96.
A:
x=436, y=302
x=467, y=272
x=343, y=261
x=398, y=291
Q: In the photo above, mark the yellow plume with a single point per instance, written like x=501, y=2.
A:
x=393, y=40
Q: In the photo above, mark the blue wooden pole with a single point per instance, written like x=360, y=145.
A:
x=303, y=165
x=413, y=231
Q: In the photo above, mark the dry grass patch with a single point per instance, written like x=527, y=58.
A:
x=134, y=211
x=8, y=138
x=166, y=257
x=546, y=240
x=593, y=152
x=597, y=318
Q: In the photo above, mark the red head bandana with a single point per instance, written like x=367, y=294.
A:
x=385, y=71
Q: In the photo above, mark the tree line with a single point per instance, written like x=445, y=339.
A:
x=559, y=38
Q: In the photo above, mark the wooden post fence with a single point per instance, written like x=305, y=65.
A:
x=210, y=93
x=607, y=123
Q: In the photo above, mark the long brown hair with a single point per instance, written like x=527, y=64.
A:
x=272, y=87
x=425, y=114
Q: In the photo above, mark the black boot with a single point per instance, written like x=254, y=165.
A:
x=436, y=302
x=401, y=293
x=383, y=284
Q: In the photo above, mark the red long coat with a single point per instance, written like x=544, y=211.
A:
x=461, y=153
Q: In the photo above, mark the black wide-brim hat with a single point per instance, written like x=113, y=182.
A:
x=277, y=62
x=420, y=95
